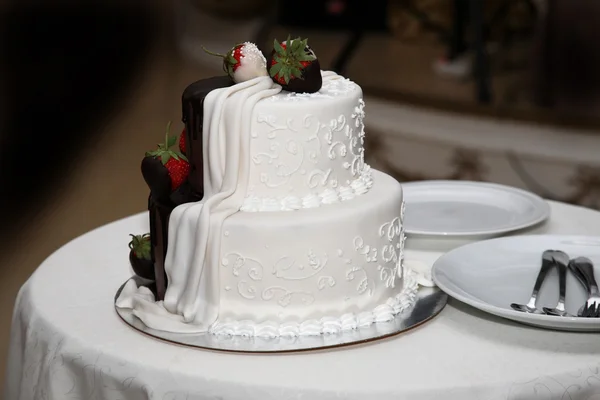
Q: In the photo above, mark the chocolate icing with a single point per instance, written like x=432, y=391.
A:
x=159, y=230
x=157, y=179
x=192, y=104
x=161, y=201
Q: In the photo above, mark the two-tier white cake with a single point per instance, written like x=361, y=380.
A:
x=295, y=235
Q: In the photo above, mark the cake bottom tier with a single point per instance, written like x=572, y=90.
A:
x=316, y=270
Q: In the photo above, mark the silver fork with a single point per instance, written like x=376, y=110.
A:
x=583, y=269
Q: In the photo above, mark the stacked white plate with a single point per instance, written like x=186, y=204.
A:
x=463, y=209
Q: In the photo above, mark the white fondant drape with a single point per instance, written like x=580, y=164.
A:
x=192, y=298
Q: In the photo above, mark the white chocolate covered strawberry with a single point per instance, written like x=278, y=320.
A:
x=243, y=62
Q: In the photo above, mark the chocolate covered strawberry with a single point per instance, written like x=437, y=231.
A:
x=157, y=178
x=139, y=256
x=243, y=62
x=173, y=162
x=295, y=66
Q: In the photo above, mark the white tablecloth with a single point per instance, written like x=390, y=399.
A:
x=68, y=343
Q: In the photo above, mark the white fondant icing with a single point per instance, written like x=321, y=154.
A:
x=307, y=147
x=309, y=244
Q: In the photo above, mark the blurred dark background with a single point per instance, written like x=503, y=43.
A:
x=68, y=67
x=65, y=70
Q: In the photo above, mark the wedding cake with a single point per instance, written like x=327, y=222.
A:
x=266, y=220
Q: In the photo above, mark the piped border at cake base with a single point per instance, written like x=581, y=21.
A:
x=326, y=325
x=427, y=303
x=357, y=187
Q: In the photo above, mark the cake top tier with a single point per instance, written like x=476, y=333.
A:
x=305, y=132
x=306, y=150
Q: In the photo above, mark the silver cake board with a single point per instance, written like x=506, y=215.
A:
x=429, y=302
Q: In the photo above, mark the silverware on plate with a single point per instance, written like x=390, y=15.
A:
x=561, y=260
x=583, y=269
x=547, y=264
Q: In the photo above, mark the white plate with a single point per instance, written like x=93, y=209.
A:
x=469, y=209
x=492, y=274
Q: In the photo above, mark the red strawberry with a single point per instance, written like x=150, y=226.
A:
x=182, y=142
x=243, y=62
x=176, y=163
x=179, y=169
x=295, y=66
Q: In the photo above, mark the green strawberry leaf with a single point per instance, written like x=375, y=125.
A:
x=296, y=72
x=275, y=69
x=140, y=244
x=212, y=53
x=171, y=142
x=277, y=46
x=306, y=57
x=181, y=156
x=144, y=252
x=296, y=45
x=174, y=155
x=164, y=158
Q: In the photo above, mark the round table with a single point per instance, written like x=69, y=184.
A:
x=67, y=342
